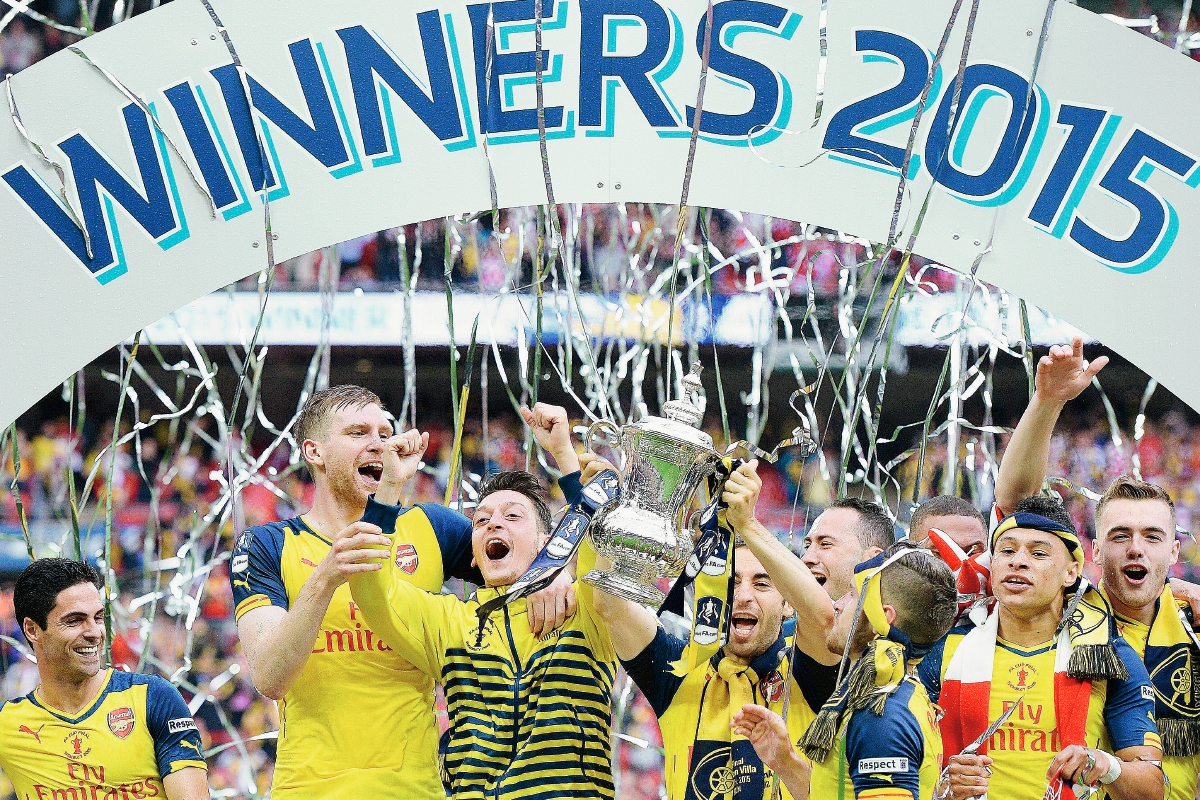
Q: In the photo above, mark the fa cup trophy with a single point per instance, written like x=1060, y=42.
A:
x=665, y=460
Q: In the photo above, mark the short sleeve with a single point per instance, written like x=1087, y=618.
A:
x=817, y=682
x=929, y=671
x=453, y=531
x=255, y=570
x=884, y=754
x=1129, y=705
x=651, y=670
x=176, y=739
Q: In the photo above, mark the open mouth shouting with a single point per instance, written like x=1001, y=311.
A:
x=743, y=625
x=371, y=472
x=495, y=549
x=1135, y=574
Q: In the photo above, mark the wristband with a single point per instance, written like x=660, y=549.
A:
x=1114, y=769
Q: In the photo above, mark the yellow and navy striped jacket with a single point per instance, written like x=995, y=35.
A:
x=529, y=718
x=135, y=732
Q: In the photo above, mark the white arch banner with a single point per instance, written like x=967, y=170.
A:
x=371, y=114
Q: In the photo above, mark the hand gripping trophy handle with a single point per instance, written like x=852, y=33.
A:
x=664, y=462
x=611, y=434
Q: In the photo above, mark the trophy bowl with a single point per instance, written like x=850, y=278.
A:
x=665, y=459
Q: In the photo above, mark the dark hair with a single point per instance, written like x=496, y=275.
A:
x=1127, y=488
x=874, y=527
x=922, y=590
x=524, y=483
x=1046, y=506
x=945, y=505
x=313, y=419
x=39, y=584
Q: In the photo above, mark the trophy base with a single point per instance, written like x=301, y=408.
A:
x=622, y=586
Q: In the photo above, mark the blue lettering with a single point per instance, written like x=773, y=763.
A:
x=1156, y=217
x=92, y=170
x=367, y=58
x=1085, y=125
x=322, y=139
x=976, y=92
x=597, y=68
x=841, y=136
x=200, y=139
x=761, y=80
x=493, y=118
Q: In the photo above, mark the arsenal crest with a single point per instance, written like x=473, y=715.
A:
x=406, y=557
x=772, y=687
x=120, y=721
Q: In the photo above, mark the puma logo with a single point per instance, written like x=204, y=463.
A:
x=308, y=563
x=35, y=734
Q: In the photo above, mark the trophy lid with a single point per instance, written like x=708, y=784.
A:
x=687, y=409
x=681, y=418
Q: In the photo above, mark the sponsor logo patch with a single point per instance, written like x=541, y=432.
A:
x=883, y=766
x=241, y=562
x=1147, y=692
x=407, y=558
x=181, y=724
x=121, y=721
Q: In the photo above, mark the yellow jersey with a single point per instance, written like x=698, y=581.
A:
x=1120, y=713
x=529, y=718
x=359, y=719
x=897, y=756
x=702, y=760
x=136, y=732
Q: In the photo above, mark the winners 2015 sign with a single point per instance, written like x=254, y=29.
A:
x=1079, y=183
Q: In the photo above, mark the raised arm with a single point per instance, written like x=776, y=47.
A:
x=409, y=620
x=789, y=574
x=277, y=636
x=1061, y=376
x=552, y=431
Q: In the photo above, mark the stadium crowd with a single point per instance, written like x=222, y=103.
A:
x=183, y=485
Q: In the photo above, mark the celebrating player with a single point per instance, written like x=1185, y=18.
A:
x=1079, y=701
x=529, y=716
x=90, y=731
x=308, y=644
x=877, y=736
x=703, y=760
x=1135, y=546
x=847, y=533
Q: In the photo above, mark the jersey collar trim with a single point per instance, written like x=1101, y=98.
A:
x=303, y=525
x=54, y=712
x=1025, y=653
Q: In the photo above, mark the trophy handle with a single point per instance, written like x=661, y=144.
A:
x=612, y=434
